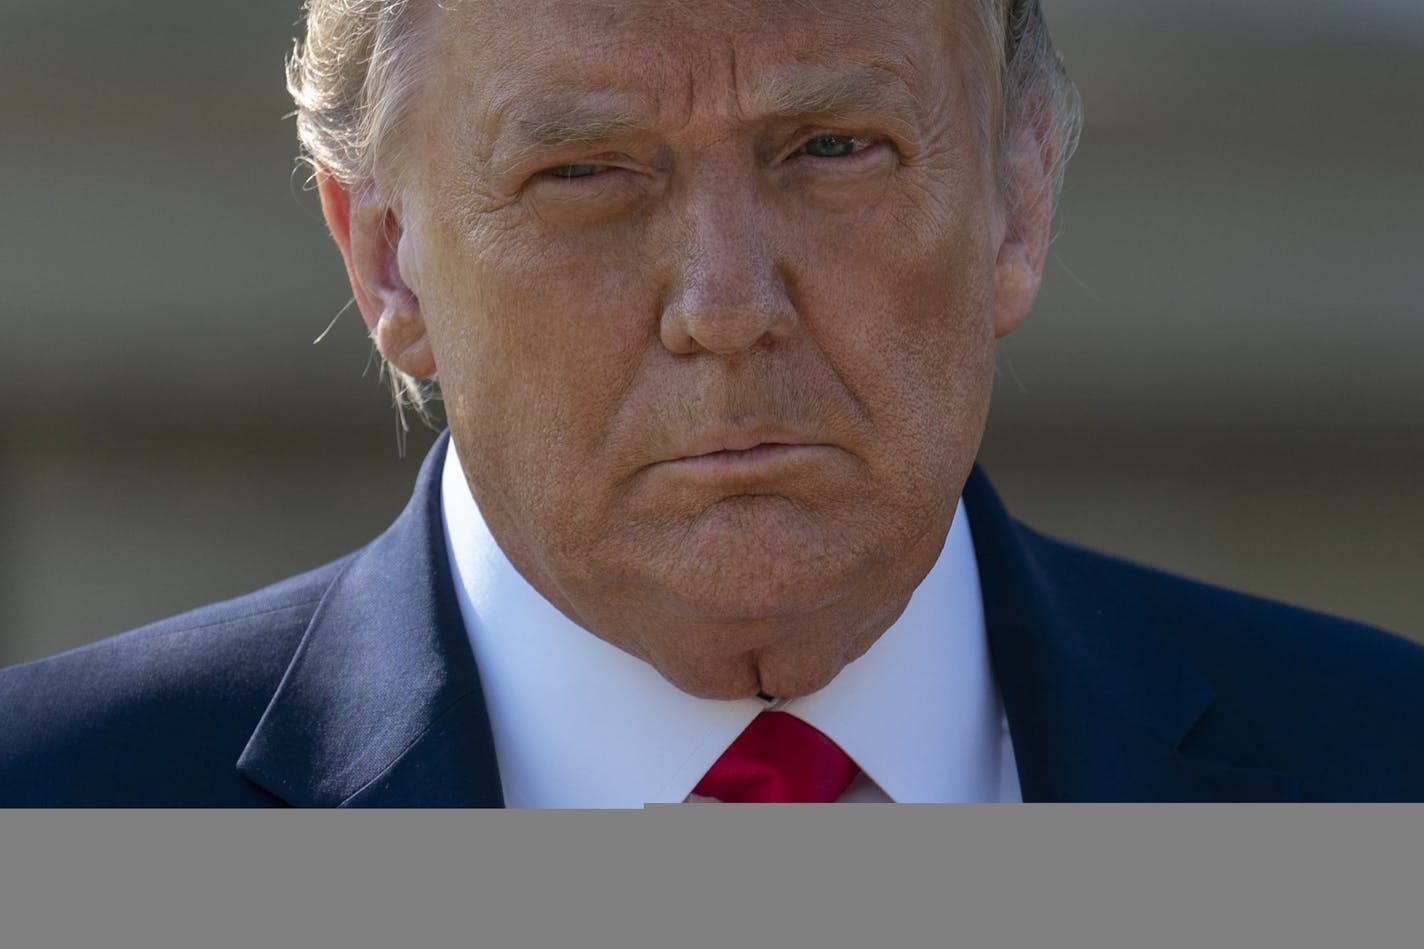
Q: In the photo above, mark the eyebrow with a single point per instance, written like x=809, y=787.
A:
x=836, y=91
x=552, y=124
x=558, y=125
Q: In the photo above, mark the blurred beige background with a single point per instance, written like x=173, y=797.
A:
x=1222, y=375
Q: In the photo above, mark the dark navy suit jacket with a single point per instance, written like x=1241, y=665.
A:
x=355, y=685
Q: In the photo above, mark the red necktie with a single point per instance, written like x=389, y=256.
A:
x=779, y=759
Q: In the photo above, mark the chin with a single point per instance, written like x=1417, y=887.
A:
x=748, y=559
x=750, y=589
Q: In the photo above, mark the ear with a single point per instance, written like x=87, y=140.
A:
x=1027, y=200
x=369, y=233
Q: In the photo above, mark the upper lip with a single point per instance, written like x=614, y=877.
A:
x=740, y=438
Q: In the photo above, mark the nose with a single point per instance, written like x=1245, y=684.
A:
x=729, y=293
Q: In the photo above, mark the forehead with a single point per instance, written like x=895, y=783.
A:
x=574, y=27
x=491, y=58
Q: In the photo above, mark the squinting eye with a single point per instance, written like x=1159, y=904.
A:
x=830, y=146
x=575, y=171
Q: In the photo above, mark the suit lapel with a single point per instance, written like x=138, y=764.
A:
x=381, y=705
x=1098, y=706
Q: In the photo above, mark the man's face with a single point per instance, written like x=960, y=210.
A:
x=711, y=290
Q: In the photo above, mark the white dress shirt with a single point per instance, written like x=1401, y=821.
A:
x=578, y=723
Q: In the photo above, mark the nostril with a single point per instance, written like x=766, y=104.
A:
x=726, y=323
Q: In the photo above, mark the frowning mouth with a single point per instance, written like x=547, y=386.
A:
x=731, y=458
x=758, y=450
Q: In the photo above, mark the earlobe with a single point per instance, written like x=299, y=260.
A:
x=368, y=231
x=1017, y=279
x=1028, y=223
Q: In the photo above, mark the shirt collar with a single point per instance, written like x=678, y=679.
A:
x=579, y=723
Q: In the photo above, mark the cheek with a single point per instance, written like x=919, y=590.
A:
x=914, y=347
x=909, y=322
x=534, y=342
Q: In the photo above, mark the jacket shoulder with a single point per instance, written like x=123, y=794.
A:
x=157, y=715
x=1225, y=630
x=1336, y=702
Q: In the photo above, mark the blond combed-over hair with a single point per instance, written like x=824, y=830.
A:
x=352, y=86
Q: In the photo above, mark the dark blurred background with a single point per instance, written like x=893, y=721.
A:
x=1221, y=377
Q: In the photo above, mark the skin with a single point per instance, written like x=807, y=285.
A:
x=712, y=291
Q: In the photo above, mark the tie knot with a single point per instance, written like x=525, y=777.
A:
x=779, y=759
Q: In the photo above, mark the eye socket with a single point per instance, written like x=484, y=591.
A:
x=833, y=146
